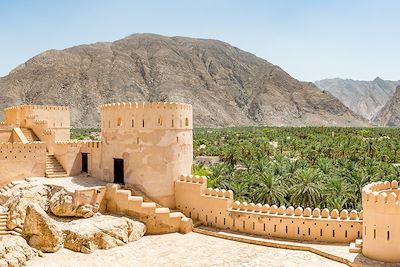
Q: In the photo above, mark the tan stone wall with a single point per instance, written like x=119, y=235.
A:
x=18, y=161
x=381, y=204
x=154, y=140
x=6, y=135
x=69, y=154
x=214, y=207
x=56, y=118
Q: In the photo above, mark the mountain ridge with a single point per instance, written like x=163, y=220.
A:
x=389, y=115
x=365, y=98
x=226, y=86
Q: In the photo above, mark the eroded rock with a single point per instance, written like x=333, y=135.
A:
x=101, y=232
x=41, y=231
x=62, y=203
x=14, y=251
x=20, y=198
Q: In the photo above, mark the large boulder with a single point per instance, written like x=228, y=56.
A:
x=14, y=251
x=41, y=231
x=101, y=232
x=62, y=204
x=18, y=201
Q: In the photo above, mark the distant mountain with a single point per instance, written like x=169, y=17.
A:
x=389, y=115
x=365, y=98
x=225, y=85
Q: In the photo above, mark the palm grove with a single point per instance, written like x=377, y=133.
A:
x=308, y=167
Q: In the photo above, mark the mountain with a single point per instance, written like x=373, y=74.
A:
x=365, y=98
x=389, y=115
x=225, y=85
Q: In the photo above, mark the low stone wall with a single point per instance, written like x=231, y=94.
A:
x=18, y=161
x=214, y=207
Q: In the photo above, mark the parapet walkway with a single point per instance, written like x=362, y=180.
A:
x=337, y=252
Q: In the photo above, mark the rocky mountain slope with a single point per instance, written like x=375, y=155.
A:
x=389, y=115
x=365, y=98
x=225, y=85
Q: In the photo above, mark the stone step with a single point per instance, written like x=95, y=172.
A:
x=55, y=168
x=148, y=205
x=359, y=243
x=5, y=232
x=136, y=198
x=354, y=249
x=175, y=215
x=18, y=230
x=162, y=210
x=56, y=173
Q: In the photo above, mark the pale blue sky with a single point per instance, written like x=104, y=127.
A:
x=309, y=39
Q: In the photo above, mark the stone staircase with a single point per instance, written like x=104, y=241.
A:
x=356, y=246
x=29, y=134
x=53, y=167
x=8, y=187
x=158, y=220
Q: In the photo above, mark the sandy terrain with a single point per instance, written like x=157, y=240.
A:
x=184, y=250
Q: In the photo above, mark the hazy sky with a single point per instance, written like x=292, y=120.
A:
x=311, y=40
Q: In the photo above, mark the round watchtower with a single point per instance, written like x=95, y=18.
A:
x=152, y=142
x=381, y=221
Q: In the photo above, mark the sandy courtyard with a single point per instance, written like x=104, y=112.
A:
x=184, y=250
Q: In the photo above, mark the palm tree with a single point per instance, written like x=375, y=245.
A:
x=269, y=189
x=337, y=191
x=306, y=190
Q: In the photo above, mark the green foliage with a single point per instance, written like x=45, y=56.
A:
x=85, y=133
x=310, y=166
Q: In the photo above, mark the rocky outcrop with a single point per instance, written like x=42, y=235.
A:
x=101, y=232
x=14, y=251
x=389, y=115
x=19, y=200
x=365, y=98
x=63, y=204
x=225, y=85
x=41, y=231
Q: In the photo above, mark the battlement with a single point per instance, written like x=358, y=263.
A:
x=381, y=203
x=216, y=207
x=146, y=105
x=29, y=146
x=266, y=208
x=382, y=195
x=37, y=107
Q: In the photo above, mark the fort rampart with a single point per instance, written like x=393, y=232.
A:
x=18, y=161
x=217, y=208
x=381, y=204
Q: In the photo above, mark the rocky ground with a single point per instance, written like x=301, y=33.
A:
x=50, y=220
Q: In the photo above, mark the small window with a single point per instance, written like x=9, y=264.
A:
x=159, y=121
x=187, y=122
x=177, y=139
x=119, y=122
x=109, y=124
x=133, y=123
x=143, y=123
x=172, y=123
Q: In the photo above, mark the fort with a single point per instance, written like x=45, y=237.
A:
x=146, y=156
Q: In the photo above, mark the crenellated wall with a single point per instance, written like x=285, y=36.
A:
x=40, y=118
x=381, y=204
x=155, y=142
x=18, y=161
x=214, y=207
x=69, y=154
